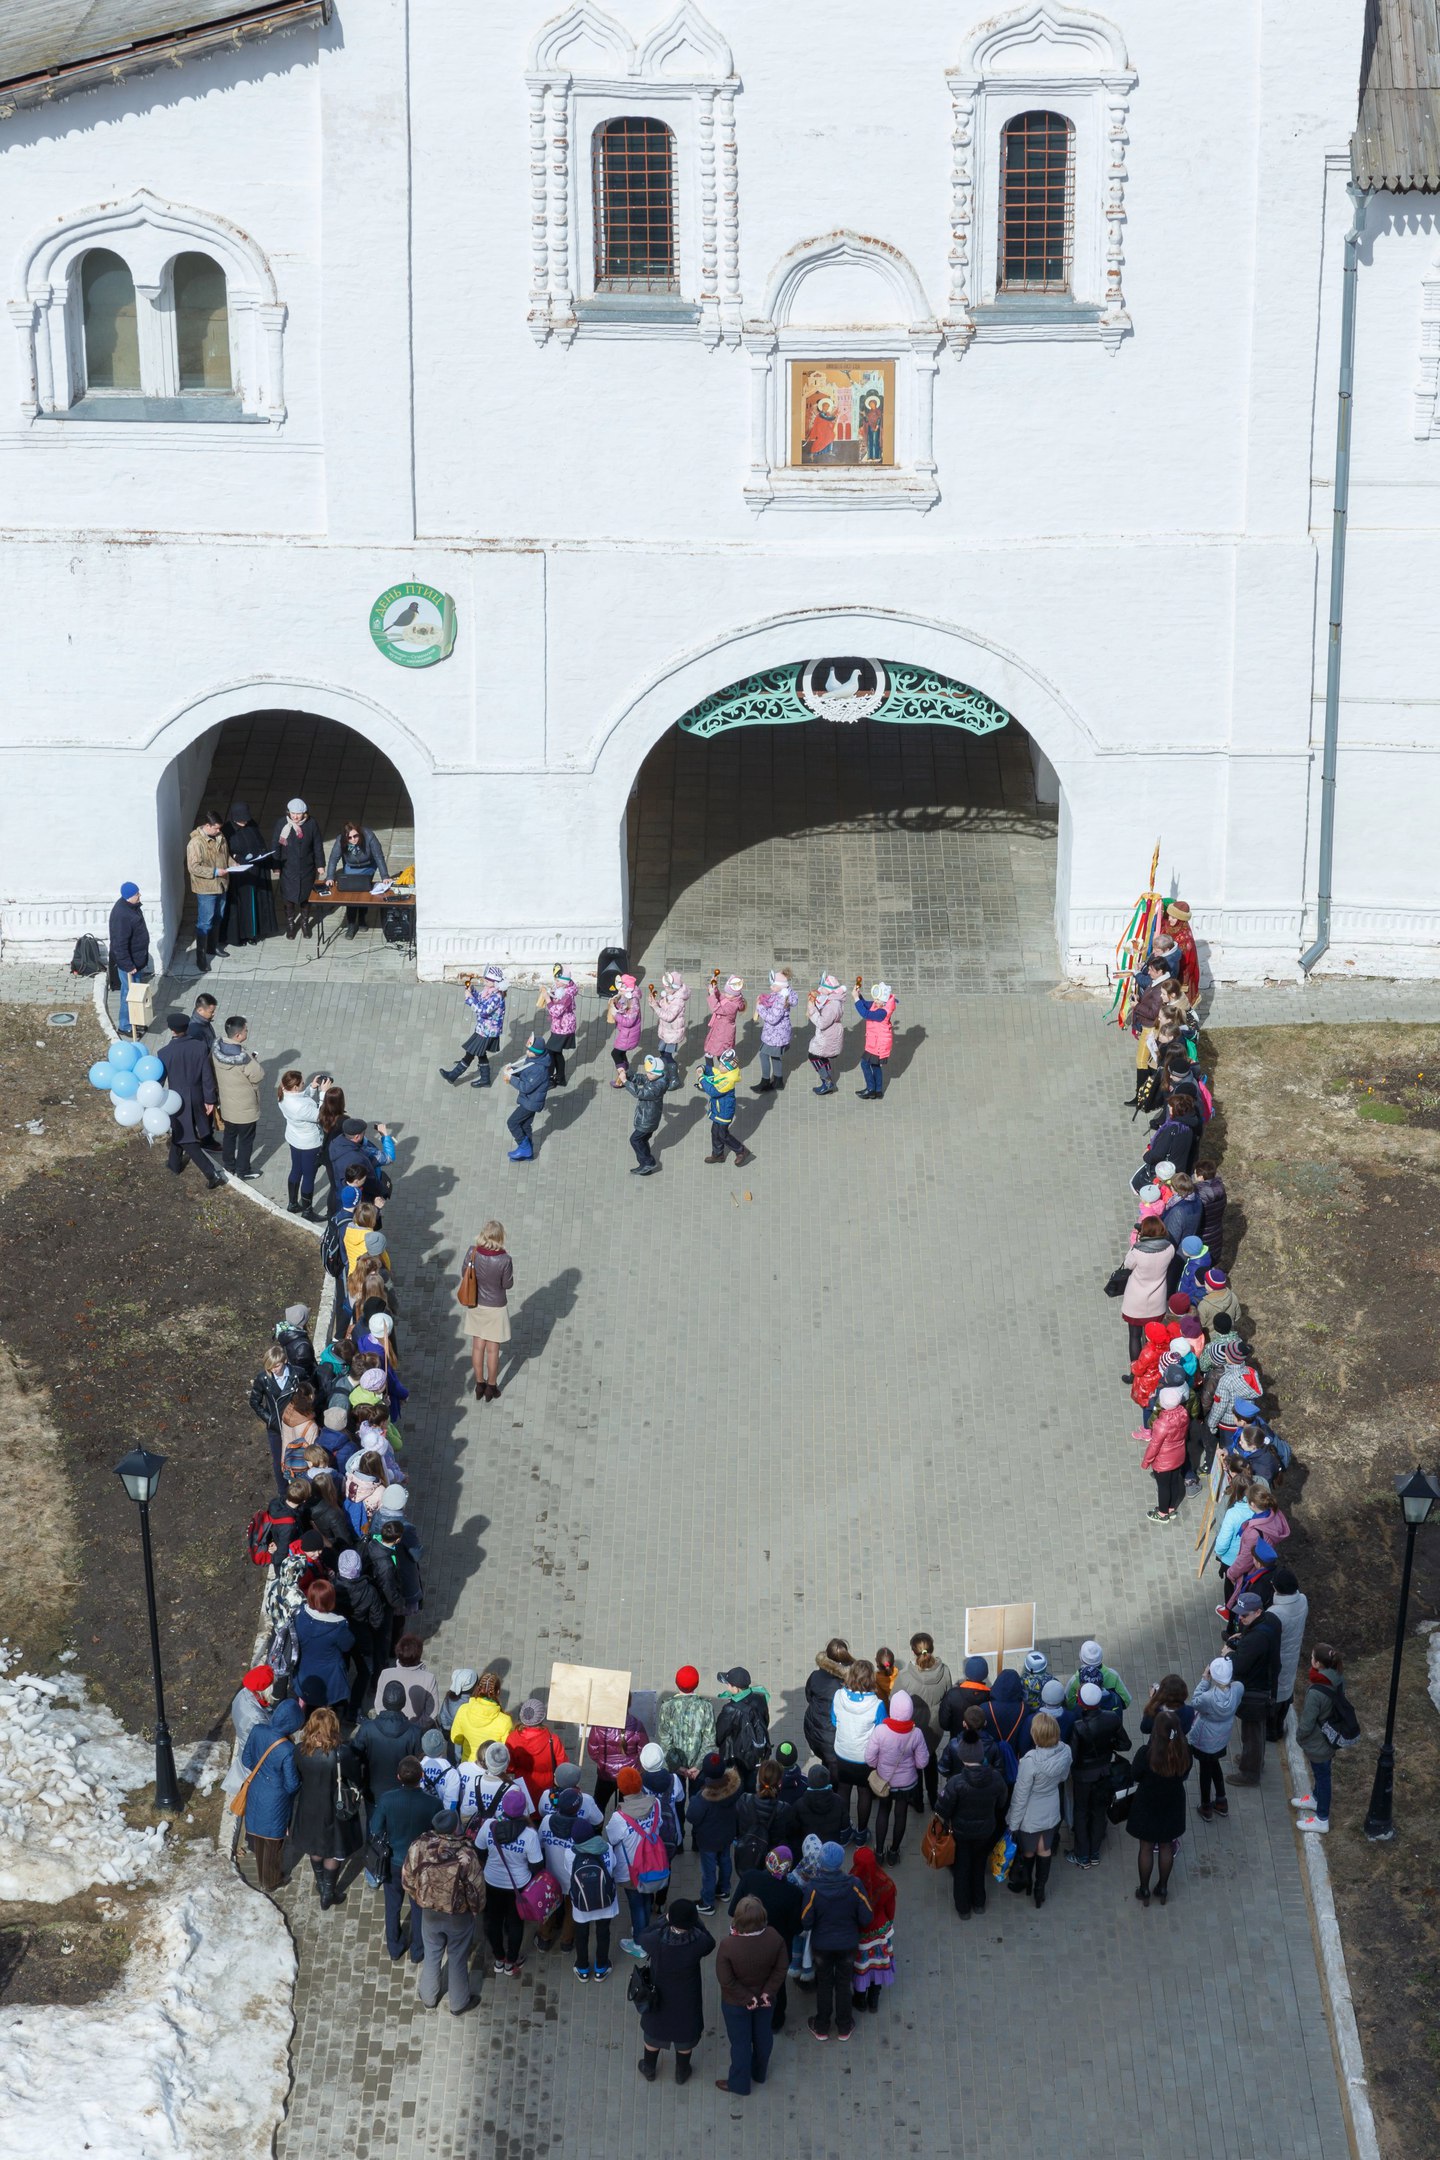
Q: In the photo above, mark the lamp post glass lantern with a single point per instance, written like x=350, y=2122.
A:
x=139, y=1473
x=1419, y=1496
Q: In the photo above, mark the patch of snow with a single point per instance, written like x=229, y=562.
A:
x=1432, y=1660
x=61, y=1826
x=187, y=2059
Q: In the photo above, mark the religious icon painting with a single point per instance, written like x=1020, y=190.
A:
x=842, y=414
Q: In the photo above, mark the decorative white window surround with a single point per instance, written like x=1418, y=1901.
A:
x=1051, y=58
x=1427, y=387
x=147, y=233
x=913, y=340
x=586, y=69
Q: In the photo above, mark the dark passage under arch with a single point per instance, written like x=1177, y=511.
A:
x=918, y=852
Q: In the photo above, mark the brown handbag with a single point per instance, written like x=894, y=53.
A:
x=468, y=1293
x=937, y=1847
x=237, y=1805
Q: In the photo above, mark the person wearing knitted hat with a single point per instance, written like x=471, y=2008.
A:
x=1092, y=1667
x=1097, y=1731
x=536, y=1753
x=639, y=1861
x=773, y=1008
x=838, y=1913
x=878, y=1013
x=676, y=1949
x=668, y=1004
x=1165, y=1453
x=972, y=1688
x=685, y=1726
x=530, y=1078
x=714, y=1819
x=1034, y=1673
x=129, y=936
x=649, y=1084
x=726, y=1006
x=558, y=999
x=249, y=1706
x=625, y=1014
x=719, y=1077
x=1215, y=1702
x=825, y=1011
x=512, y=1854
x=485, y=1007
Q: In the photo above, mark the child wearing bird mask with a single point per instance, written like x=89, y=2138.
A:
x=719, y=1077
x=878, y=1013
x=773, y=1008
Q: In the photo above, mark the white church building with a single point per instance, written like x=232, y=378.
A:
x=511, y=386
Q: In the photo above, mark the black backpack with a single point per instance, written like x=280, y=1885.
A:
x=749, y=1741
x=592, y=1886
x=1341, y=1728
x=757, y=1820
x=87, y=958
x=332, y=1246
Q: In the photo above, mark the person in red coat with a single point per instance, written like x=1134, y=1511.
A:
x=1145, y=1372
x=1177, y=922
x=1165, y=1454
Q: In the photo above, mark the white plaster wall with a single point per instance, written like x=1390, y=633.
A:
x=1124, y=550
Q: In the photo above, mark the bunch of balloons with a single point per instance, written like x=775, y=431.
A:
x=137, y=1087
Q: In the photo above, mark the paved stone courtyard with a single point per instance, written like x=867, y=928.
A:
x=865, y=1382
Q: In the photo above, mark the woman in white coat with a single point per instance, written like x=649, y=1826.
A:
x=1034, y=1812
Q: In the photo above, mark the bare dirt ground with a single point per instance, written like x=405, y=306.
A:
x=1331, y=1153
x=134, y=1308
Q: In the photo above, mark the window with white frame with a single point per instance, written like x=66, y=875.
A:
x=639, y=238
x=1041, y=116
x=146, y=310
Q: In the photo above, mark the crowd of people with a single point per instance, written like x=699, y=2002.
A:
x=235, y=872
x=649, y=1078
x=465, y=1810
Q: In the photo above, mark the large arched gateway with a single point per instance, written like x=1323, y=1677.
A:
x=847, y=812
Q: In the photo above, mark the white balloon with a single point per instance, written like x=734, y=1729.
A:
x=155, y=1120
x=128, y=1113
x=150, y=1094
x=171, y=1104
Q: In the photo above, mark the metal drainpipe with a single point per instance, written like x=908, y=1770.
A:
x=1339, y=520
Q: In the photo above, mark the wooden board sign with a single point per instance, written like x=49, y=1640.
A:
x=999, y=1631
x=587, y=1695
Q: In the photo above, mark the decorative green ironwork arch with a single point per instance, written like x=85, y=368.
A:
x=845, y=691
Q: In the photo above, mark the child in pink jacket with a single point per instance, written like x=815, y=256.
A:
x=725, y=1009
x=1165, y=1453
x=897, y=1752
x=626, y=1015
x=878, y=1013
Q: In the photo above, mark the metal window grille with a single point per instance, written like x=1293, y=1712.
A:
x=635, y=207
x=1037, y=203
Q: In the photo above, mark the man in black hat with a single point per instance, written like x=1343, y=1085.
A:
x=186, y=1059
x=742, y=1724
x=1254, y=1652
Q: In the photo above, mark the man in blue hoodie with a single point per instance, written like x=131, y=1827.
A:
x=531, y=1082
x=837, y=1913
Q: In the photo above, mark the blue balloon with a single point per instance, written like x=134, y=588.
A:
x=149, y=1068
x=101, y=1074
x=124, y=1055
x=125, y=1085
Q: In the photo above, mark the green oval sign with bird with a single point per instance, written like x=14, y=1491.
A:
x=414, y=625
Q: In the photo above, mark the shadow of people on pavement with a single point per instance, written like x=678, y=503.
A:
x=533, y=1322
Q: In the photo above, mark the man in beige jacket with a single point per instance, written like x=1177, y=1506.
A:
x=238, y=1074
x=207, y=858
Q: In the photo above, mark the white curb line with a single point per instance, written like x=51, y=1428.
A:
x=240, y=1185
x=1354, y=2084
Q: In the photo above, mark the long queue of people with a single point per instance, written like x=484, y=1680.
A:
x=349, y=1754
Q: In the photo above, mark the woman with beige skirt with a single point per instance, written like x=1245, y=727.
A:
x=487, y=1322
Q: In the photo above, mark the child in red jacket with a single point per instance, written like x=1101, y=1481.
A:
x=1165, y=1454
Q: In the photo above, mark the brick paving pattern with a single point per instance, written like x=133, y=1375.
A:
x=853, y=1388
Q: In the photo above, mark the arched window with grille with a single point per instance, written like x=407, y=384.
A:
x=634, y=189
x=111, y=331
x=1037, y=203
x=202, y=324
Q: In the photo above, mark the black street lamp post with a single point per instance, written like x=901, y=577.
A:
x=140, y=1475
x=1418, y=1496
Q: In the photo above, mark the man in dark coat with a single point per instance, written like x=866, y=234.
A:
x=1254, y=1653
x=188, y=1070
x=301, y=855
x=820, y=1811
x=383, y=1740
x=129, y=946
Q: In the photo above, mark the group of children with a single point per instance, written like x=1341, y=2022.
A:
x=650, y=1078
